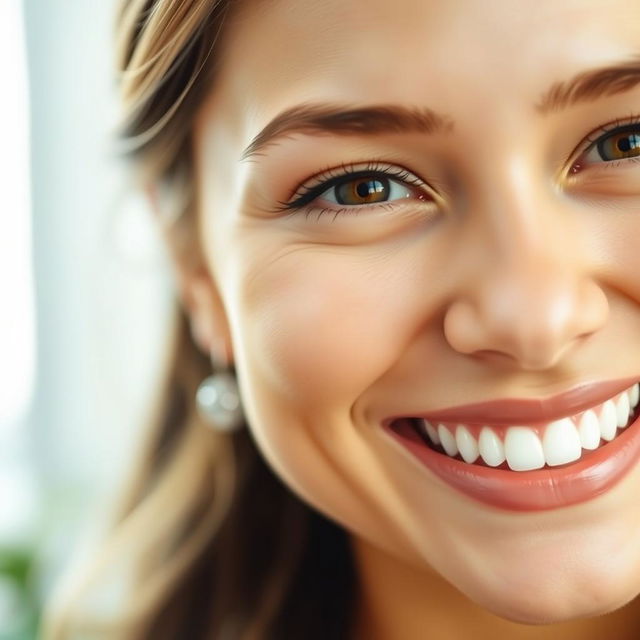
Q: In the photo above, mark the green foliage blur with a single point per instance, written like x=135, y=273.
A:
x=19, y=604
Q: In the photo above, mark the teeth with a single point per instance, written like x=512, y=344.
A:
x=523, y=449
x=634, y=396
x=491, y=447
x=467, y=444
x=608, y=420
x=622, y=410
x=589, y=430
x=561, y=443
x=431, y=432
x=447, y=440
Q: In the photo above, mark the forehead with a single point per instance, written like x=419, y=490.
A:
x=424, y=51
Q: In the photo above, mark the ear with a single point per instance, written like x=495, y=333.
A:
x=201, y=300
x=198, y=292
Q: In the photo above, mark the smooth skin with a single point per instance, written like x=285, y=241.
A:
x=503, y=263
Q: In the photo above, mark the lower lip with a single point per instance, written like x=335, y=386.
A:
x=539, y=490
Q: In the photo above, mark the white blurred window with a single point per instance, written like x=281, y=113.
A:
x=17, y=322
x=17, y=348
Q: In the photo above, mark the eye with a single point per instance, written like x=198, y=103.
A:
x=618, y=144
x=347, y=189
x=365, y=190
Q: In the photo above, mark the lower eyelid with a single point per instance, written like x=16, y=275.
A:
x=320, y=212
x=392, y=209
x=585, y=162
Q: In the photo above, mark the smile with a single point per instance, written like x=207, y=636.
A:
x=523, y=448
x=527, y=455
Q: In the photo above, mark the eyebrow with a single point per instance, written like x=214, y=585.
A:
x=344, y=119
x=591, y=85
x=340, y=119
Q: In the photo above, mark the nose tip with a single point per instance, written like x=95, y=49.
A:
x=533, y=323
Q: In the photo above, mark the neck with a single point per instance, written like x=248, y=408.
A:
x=401, y=601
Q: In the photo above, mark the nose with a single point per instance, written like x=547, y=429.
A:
x=528, y=298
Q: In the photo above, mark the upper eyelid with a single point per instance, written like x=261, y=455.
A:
x=619, y=124
x=347, y=170
x=326, y=179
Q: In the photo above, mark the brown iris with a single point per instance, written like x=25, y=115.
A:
x=625, y=144
x=363, y=190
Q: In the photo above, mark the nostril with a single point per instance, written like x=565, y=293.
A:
x=533, y=318
x=461, y=328
x=501, y=331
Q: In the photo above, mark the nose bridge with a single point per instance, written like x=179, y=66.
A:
x=515, y=216
x=526, y=291
x=533, y=264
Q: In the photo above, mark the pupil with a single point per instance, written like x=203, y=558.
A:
x=628, y=143
x=624, y=145
x=365, y=189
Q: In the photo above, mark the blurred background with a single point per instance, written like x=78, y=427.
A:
x=85, y=294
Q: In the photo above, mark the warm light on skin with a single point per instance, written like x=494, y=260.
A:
x=513, y=277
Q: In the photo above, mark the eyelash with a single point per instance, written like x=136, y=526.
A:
x=332, y=177
x=619, y=125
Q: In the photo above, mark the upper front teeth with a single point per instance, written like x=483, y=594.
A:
x=523, y=449
x=526, y=448
x=561, y=443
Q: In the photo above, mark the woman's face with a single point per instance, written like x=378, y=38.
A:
x=485, y=248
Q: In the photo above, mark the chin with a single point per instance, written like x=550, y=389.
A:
x=557, y=600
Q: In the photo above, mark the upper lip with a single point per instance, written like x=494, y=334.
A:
x=528, y=410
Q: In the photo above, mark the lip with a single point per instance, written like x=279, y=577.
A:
x=511, y=411
x=595, y=473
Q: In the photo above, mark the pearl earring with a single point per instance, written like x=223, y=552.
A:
x=218, y=402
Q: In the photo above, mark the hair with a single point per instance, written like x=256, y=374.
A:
x=211, y=543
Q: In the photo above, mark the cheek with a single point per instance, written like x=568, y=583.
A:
x=326, y=325
x=314, y=334
x=622, y=251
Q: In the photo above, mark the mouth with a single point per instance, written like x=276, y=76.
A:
x=534, y=464
x=528, y=447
